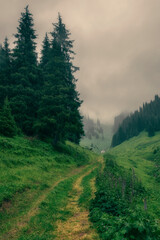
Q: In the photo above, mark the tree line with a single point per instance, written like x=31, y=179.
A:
x=146, y=118
x=40, y=96
x=93, y=129
x=118, y=120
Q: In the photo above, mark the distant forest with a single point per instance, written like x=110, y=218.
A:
x=93, y=129
x=118, y=120
x=147, y=118
x=97, y=135
x=39, y=98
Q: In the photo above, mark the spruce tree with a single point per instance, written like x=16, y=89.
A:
x=25, y=49
x=7, y=124
x=5, y=63
x=7, y=55
x=45, y=52
x=26, y=77
x=5, y=70
x=60, y=94
x=74, y=127
x=147, y=118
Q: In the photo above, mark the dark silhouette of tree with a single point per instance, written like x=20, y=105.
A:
x=26, y=76
x=147, y=118
x=42, y=96
x=45, y=53
x=5, y=70
x=58, y=115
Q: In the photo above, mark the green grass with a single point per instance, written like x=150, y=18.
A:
x=127, y=202
x=138, y=153
x=28, y=170
x=85, y=197
x=53, y=208
x=43, y=225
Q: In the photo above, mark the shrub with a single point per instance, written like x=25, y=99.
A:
x=7, y=124
x=114, y=210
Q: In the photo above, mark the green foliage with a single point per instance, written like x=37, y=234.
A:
x=24, y=51
x=156, y=159
x=45, y=53
x=50, y=211
x=29, y=172
x=116, y=210
x=147, y=118
x=25, y=161
x=7, y=124
x=137, y=224
x=86, y=196
x=58, y=114
x=43, y=96
x=5, y=68
x=29, y=169
x=143, y=153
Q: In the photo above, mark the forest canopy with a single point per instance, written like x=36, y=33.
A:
x=41, y=95
x=147, y=118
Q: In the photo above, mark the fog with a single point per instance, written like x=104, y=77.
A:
x=117, y=44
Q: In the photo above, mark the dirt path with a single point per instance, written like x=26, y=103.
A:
x=78, y=226
x=24, y=220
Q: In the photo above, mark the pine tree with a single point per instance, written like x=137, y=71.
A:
x=25, y=49
x=7, y=124
x=60, y=95
x=5, y=70
x=74, y=126
x=45, y=52
x=5, y=63
x=147, y=118
x=26, y=78
x=4, y=59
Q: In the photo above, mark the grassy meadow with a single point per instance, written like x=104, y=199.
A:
x=127, y=200
x=34, y=177
x=140, y=153
x=48, y=193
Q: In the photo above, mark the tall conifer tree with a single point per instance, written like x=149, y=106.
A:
x=60, y=96
x=25, y=49
x=5, y=70
x=26, y=78
x=5, y=62
x=7, y=57
x=45, y=52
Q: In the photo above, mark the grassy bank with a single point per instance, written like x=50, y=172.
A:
x=29, y=170
x=128, y=191
x=139, y=154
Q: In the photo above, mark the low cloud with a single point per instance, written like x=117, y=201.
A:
x=117, y=46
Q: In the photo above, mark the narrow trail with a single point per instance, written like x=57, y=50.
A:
x=78, y=226
x=24, y=220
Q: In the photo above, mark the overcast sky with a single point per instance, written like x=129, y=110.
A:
x=117, y=44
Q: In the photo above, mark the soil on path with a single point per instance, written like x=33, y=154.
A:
x=22, y=221
x=78, y=226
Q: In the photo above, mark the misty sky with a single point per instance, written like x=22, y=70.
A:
x=117, y=44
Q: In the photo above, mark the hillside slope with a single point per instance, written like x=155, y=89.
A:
x=147, y=118
x=127, y=202
x=30, y=170
x=140, y=153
